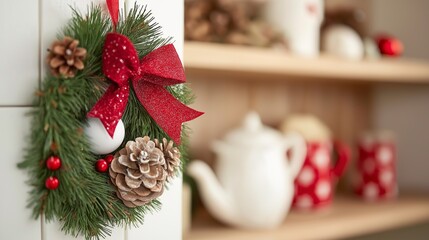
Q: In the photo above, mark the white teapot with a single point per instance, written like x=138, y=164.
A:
x=254, y=184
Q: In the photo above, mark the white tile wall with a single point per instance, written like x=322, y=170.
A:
x=15, y=218
x=19, y=48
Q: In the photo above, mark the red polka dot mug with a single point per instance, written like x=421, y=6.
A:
x=314, y=186
x=375, y=175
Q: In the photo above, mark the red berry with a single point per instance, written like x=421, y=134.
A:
x=53, y=163
x=101, y=165
x=109, y=159
x=52, y=183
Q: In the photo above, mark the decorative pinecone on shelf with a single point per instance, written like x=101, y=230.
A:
x=231, y=22
x=171, y=155
x=140, y=170
x=65, y=57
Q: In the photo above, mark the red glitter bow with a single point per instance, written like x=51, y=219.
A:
x=162, y=67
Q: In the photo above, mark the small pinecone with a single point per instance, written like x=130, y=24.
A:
x=138, y=172
x=171, y=155
x=65, y=58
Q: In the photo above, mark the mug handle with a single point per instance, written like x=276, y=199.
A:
x=298, y=147
x=343, y=152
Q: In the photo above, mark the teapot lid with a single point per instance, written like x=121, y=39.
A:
x=253, y=132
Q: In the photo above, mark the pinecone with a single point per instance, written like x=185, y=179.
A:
x=139, y=172
x=171, y=155
x=65, y=58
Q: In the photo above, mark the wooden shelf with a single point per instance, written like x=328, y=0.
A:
x=346, y=218
x=265, y=64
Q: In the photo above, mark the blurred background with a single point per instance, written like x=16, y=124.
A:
x=351, y=77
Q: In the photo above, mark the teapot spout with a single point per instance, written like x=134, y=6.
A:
x=216, y=200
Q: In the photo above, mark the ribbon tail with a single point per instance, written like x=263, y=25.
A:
x=168, y=112
x=110, y=107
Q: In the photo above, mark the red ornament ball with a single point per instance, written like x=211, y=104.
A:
x=101, y=165
x=109, y=159
x=52, y=183
x=390, y=46
x=53, y=163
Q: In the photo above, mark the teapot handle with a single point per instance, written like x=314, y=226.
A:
x=298, y=147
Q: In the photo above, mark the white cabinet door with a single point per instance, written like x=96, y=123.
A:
x=167, y=223
x=170, y=16
x=15, y=220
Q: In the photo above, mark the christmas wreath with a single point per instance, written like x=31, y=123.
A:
x=107, y=126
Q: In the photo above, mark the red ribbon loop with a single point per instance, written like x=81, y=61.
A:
x=162, y=67
x=113, y=6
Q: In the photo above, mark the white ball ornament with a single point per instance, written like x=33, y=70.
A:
x=342, y=41
x=100, y=141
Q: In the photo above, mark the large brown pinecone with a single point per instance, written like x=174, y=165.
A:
x=65, y=58
x=171, y=155
x=139, y=172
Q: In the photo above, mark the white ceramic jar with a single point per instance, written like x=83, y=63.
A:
x=299, y=21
